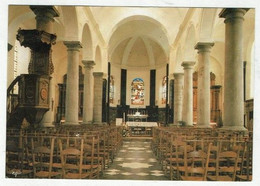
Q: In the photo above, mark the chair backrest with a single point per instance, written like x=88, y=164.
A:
x=196, y=161
x=14, y=153
x=71, y=158
x=227, y=158
x=43, y=156
x=246, y=161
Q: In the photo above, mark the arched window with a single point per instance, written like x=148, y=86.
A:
x=164, y=90
x=137, y=92
x=111, y=90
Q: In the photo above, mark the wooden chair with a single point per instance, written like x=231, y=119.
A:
x=161, y=148
x=103, y=148
x=246, y=163
x=112, y=144
x=175, y=162
x=71, y=160
x=43, y=160
x=16, y=164
x=195, y=164
x=226, y=163
x=92, y=162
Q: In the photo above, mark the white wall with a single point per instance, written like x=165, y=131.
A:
x=23, y=59
x=138, y=73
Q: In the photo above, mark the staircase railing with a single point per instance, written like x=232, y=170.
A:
x=12, y=98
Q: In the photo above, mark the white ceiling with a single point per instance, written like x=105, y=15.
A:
x=139, y=36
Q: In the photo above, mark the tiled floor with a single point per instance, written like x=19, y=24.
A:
x=135, y=161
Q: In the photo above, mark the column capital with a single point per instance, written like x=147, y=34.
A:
x=73, y=45
x=231, y=13
x=188, y=64
x=98, y=74
x=204, y=46
x=46, y=13
x=178, y=75
x=89, y=64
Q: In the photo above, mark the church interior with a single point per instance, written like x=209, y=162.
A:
x=130, y=93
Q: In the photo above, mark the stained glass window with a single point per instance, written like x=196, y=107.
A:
x=137, y=92
x=111, y=91
x=164, y=90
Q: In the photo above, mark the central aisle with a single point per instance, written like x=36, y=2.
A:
x=135, y=161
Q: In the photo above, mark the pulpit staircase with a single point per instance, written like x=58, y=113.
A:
x=15, y=114
x=30, y=101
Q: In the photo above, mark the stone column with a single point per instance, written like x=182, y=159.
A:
x=48, y=118
x=44, y=21
x=178, y=96
x=98, y=87
x=233, y=116
x=72, y=84
x=88, y=92
x=187, y=109
x=44, y=17
x=203, y=109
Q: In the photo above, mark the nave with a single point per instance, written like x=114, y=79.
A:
x=135, y=161
x=91, y=86
x=101, y=152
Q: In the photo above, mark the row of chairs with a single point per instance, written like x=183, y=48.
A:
x=69, y=154
x=208, y=156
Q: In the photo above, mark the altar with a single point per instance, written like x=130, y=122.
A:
x=137, y=117
x=137, y=128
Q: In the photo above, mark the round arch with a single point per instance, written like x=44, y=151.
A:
x=137, y=17
x=208, y=18
x=178, y=60
x=189, y=51
x=98, y=60
x=152, y=29
x=69, y=14
x=16, y=23
x=87, y=43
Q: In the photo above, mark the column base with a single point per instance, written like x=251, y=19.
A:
x=71, y=123
x=48, y=125
x=187, y=126
x=174, y=125
x=87, y=123
x=97, y=122
x=203, y=126
x=233, y=128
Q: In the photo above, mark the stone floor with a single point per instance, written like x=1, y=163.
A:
x=135, y=161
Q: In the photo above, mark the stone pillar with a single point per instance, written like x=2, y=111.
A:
x=88, y=92
x=72, y=84
x=203, y=109
x=44, y=17
x=44, y=21
x=233, y=116
x=48, y=118
x=187, y=109
x=178, y=96
x=98, y=89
